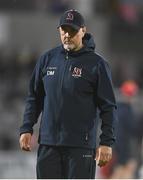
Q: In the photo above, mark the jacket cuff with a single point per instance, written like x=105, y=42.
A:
x=110, y=144
x=26, y=128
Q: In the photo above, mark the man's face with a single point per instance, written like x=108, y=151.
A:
x=71, y=38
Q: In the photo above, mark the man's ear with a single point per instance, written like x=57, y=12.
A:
x=84, y=30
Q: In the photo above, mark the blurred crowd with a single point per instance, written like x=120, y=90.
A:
x=125, y=42
x=127, y=152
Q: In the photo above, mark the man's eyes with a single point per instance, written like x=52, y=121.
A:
x=70, y=32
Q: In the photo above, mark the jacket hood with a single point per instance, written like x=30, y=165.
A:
x=88, y=42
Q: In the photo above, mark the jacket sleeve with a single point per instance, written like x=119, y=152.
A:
x=34, y=101
x=106, y=104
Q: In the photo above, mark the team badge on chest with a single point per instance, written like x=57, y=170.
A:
x=77, y=72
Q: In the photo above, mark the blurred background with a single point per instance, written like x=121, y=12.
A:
x=29, y=28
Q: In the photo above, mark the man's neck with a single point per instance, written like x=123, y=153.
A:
x=78, y=48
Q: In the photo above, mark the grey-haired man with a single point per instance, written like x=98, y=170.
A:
x=68, y=85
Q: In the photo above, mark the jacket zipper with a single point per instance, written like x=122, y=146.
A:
x=61, y=85
x=65, y=67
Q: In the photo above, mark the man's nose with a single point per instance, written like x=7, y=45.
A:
x=67, y=34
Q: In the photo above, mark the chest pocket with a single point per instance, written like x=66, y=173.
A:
x=81, y=80
x=49, y=76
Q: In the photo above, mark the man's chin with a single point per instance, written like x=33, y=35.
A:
x=68, y=47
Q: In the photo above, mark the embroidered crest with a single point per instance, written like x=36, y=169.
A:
x=70, y=16
x=77, y=72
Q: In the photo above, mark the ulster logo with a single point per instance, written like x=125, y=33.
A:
x=77, y=72
x=69, y=16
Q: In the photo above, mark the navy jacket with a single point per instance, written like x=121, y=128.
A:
x=68, y=88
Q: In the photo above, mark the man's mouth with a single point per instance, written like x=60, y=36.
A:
x=67, y=42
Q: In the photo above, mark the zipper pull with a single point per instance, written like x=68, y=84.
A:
x=70, y=68
x=86, y=137
x=67, y=56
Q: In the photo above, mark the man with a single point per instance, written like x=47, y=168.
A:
x=68, y=84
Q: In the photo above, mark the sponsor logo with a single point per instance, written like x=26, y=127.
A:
x=77, y=72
